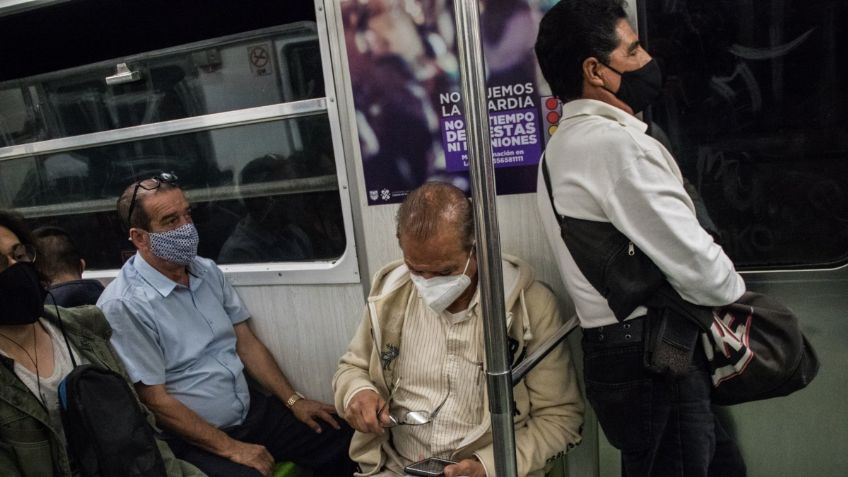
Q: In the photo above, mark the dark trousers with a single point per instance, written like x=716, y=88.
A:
x=663, y=426
x=270, y=423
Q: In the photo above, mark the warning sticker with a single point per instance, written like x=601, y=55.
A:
x=260, y=59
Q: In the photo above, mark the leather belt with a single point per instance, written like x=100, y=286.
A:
x=630, y=331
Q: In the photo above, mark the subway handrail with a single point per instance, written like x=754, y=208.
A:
x=482, y=172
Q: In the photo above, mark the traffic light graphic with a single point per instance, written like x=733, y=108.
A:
x=551, y=113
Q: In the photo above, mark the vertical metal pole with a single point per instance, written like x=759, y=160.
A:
x=490, y=273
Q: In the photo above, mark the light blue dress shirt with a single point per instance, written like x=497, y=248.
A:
x=181, y=337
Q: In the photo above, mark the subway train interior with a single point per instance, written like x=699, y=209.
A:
x=356, y=102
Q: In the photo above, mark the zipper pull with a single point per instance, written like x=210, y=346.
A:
x=631, y=249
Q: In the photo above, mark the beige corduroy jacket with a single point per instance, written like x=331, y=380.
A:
x=549, y=406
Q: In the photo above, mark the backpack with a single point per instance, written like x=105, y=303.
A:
x=107, y=433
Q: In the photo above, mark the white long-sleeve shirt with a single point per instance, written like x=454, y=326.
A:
x=604, y=167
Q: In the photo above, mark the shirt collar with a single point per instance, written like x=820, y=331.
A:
x=160, y=282
x=71, y=283
x=581, y=107
x=510, y=280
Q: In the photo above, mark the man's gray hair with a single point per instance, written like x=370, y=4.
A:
x=139, y=219
x=432, y=207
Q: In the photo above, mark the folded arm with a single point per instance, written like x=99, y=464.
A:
x=651, y=207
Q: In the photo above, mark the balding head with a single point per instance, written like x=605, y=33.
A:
x=134, y=197
x=433, y=208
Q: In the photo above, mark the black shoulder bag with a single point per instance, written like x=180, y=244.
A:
x=107, y=432
x=755, y=347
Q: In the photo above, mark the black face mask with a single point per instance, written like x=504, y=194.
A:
x=21, y=295
x=641, y=87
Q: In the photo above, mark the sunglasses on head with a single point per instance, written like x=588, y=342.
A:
x=158, y=180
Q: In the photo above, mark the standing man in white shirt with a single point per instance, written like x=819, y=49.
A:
x=604, y=168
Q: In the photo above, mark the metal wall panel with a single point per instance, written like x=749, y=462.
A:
x=306, y=328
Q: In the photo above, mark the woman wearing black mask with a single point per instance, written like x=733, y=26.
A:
x=35, y=357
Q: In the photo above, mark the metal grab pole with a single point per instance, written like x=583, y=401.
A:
x=490, y=273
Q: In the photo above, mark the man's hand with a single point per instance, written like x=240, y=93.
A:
x=361, y=412
x=174, y=416
x=251, y=455
x=307, y=410
x=466, y=467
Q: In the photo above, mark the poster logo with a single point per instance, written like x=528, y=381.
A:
x=373, y=194
x=385, y=194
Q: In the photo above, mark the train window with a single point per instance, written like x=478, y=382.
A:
x=754, y=109
x=257, y=197
x=242, y=72
x=242, y=121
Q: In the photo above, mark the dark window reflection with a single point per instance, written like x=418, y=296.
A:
x=104, y=171
x=755, y=108
x=303, y=69
x=262, y=193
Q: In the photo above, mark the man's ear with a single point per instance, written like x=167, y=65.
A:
x=82, y=266
x=139, y=238
x=591, y=74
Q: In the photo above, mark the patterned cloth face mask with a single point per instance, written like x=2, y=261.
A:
x=176, y=246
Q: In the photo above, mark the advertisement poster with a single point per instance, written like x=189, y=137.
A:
x=405, y=76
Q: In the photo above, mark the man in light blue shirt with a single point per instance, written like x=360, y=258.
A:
x=195, y=359
x=182, y=332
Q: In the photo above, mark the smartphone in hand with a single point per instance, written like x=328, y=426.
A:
x=431, y=467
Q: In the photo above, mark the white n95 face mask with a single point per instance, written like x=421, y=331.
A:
x=440, y=292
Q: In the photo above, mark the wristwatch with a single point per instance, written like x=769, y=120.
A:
x=294, y=398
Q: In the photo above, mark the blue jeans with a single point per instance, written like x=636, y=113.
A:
x=663, y=426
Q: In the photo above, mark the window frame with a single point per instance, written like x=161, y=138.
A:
x=344, y=269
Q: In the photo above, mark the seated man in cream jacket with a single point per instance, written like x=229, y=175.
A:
x=420, y=347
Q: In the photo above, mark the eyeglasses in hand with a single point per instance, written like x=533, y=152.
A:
x=389, y=399
x=417, y=418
